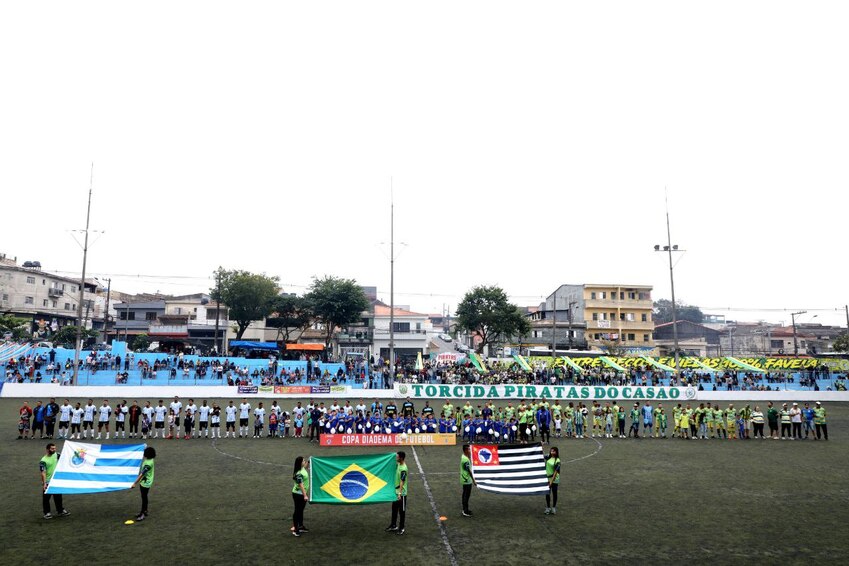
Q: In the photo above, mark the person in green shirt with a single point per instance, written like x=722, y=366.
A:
x=661, y=422
x=46, y=466
x=552, y=472
x=772, y=420
x=399, y=506
x=145, y=480
x=447, y=410
x=300, y=494
x=467, y=479
x=819, y=421
x=718, y=419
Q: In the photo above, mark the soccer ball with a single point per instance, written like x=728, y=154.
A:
x=349, y=431
x=376, y=429
x=454, y=428
x=534, y=427
x=403, y=436
x=467, y=429
x=497, y=435
x=514, y=428
x=478, y=430
x=417, y=430
x=490, y=431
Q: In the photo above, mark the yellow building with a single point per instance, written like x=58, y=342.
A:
x=620, y=313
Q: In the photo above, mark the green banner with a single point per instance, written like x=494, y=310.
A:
x=564, y=392
x=353, y=480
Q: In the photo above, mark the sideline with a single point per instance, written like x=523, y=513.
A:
x=451, y=557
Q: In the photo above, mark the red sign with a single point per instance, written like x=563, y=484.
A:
x=292, y=390
x=388, y=440
x=484, y=455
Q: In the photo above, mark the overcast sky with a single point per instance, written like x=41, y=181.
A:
x=529, y=142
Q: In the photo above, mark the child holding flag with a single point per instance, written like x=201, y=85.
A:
x=145, y=480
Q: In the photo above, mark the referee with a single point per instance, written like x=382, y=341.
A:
x=467, y=479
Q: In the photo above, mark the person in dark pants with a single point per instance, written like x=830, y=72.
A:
x=145, y=480
x=47, y=466
x=300, y=495
x=399, y=506
x=819, y=421
x=467, y=479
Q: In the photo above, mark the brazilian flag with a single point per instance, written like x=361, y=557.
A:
x=353, y=480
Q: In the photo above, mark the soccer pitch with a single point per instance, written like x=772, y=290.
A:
x=643, y=501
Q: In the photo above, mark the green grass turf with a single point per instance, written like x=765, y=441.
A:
x=647, y=501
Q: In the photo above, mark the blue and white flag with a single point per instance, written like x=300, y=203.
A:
x=92, y=468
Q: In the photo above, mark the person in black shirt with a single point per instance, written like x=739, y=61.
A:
x=408, y=409
x=427, y=410
x=391, y=410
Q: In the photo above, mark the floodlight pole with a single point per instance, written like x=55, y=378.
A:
x=82, y=285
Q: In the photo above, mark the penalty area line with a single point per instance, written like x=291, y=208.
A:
x=451, y=557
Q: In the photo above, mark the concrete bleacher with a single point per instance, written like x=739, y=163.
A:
x=134, y=377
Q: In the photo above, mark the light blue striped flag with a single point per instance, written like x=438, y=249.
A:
x=92, y=468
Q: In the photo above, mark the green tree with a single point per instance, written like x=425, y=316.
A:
x=67, y=336
x=249, y=296
x=841, y=343
x=290, y=314
x=485, y=311
x=18, y=327
x=335, y=302
x=663, y=312
x=140, y=343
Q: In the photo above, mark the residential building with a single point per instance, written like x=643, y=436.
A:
x=606, y=313
x=693, y=339
x=48, y=300
x=411, y=331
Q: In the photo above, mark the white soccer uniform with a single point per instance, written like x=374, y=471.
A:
x=148, y=412
x=244, y=410
x=121, y=414
x=259, y=413
x=349, y=410
x=231, y=413
x=298, y=412
x=177, y=407
x=65, y=414
x=105, y=413
x=203, y=413
x=361, y=409
x=76, y=416
x=193, y=408
x=89, y=411
x=160, y=412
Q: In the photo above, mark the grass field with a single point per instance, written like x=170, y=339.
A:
x=624, y=501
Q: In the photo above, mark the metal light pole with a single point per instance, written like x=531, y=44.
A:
x=554, y=325
x=668, y=249
x=391, y=283
x=79, y=340
x=569, y=316
x=795, y=341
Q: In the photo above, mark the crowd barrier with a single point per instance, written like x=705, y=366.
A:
x=415, y=391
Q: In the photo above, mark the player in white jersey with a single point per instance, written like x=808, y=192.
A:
x=230, y=412
x=244, y=417
x=194, y=409
x=76, y=419
x=65, y=419
x=215, y=419
x=105, y=411
x=160, y=413
x=361, y=408
x=203, y=420
x=88, y=419
x=120, y=418
x=177, y=407
x=259, y=420
x=298, y=411
x=147, y=419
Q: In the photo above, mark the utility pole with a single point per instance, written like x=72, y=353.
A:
x=554, y=326
x=391, y=282
x=79, y=341
x=217, y=307
x=793, y=316
x=847, y=319
x=669, y=248
x=106, y=312
x=569, y=317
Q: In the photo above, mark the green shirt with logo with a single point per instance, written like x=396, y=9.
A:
x=401, y=475
x=48, y=465
x=147, y=471
x=301, y=477
x=552, y=466
x=465, y=470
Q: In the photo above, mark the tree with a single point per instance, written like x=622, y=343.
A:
x=16, y=326
x=140, y=342
x=67, y=336
x=663, y=312
x=841, y=343
x=335, y=302
x=485, y=311
x=290, y=314
x=249, y=296
x=614, y=347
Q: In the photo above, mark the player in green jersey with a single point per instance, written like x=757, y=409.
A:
x=145, y=480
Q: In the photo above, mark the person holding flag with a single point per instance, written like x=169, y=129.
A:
x=552, y=472
x=399, y=506
x=300, y=495
x=47, y=466
x=467, y=479
x=145, y=480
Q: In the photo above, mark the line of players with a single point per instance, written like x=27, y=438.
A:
x=487, y=423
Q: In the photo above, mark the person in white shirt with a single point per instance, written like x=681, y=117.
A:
x=65, y=419
x=298, y=411
x=88, y=419
x=147, y=413
x=76, y=419
x=230, y=412
x=203, y=420
x=120, y=418
x=215, y=418
x=361, y=408
x=244, y=417
x=194, y=411
x=160, y=412
x=335, y=406
x=177, y=407
x=103, y=420
x=349, y=410
x=259, y=420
